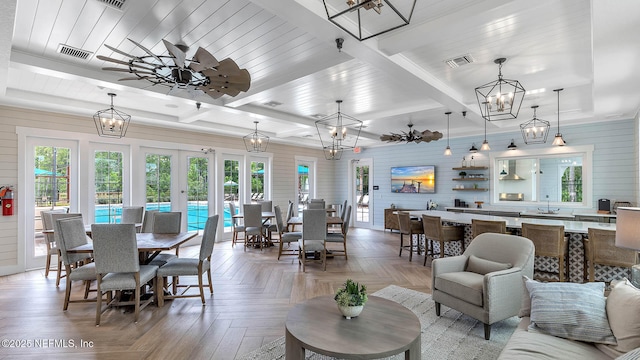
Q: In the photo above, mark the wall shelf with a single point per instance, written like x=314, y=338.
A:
x=471, y=189
x=470, y=179
x=471, y=168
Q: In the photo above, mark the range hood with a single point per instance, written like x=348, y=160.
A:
x=512, y=172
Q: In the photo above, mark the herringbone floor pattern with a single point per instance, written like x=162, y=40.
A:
x=252, y=294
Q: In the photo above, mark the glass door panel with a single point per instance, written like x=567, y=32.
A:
x=361, y=192
x=197, y=192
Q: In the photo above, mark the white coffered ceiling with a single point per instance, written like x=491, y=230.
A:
x=589, y=48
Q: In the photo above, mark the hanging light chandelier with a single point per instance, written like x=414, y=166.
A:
x=447, y=150
x=535, y=131
x=364, y=19
x=256, y=141
x=111, y=122
x=558, y=140
x=503, y=97
x=338, y=132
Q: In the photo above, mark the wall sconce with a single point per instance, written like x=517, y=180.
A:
x=512, y=146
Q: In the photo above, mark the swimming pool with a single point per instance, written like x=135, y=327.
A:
x=197, y=214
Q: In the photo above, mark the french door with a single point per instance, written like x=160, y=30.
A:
x=360, y=190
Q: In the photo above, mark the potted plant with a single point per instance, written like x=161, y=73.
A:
x=462, y=174
x=351, y=298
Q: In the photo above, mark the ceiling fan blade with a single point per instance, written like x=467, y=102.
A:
x=135, y=78
x=213, y=93
x=178, y=55
x=240, y=80
x=228, y=67
x=125, y=63
x=129, y=71
x=203, y=60
x=120, y=52
x=148, y=52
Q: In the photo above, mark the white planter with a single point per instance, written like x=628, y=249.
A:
x=350, y=311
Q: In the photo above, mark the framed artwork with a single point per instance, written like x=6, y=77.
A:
x=413, y=179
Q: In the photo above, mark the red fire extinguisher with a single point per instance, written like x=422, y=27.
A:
x=6, y=193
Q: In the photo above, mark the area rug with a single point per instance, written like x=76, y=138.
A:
x=453, y=335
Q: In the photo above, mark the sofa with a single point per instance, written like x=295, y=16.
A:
x=542, y=338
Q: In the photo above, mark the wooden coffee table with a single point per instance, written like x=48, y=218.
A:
x=384, y=328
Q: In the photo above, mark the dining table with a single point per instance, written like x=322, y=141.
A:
x=297, y=220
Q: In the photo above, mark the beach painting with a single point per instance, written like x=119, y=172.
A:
x=413, y=179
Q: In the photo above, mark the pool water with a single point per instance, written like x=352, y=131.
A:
x=196, y=214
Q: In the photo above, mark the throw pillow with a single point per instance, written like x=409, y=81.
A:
x=623, y=311
x=631, y=355
x=570, y=311
x=525, y=304
x=483, y=266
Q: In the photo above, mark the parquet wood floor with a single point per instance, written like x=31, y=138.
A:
x=252, y=295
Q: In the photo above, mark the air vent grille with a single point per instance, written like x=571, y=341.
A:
x=116, y=4
x=74, y=52
x=460, y=60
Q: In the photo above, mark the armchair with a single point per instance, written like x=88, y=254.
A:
x=485, y=282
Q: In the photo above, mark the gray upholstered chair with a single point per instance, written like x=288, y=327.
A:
x=341, y=237
x=252, y=214
x=147, y=221
x=166, y=223
x=343, y=210
x=191, y=266
x=54, y=217
x=284, y=236
x=316, y=205
x=73, y=234
x=314, y=234
x=132, y=215
x=118, y=268
x=235, y=223
x=266, y=205
x=485, y=282
x=50, y=241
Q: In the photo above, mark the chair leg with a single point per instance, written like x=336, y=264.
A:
x=200, y=286
x=401, y=244
x=48, y=263
x=98, y=303
x=437, y=309
x=324, y=259
x=346, y=257
x=487, y=331
x=59, y=271
x=136, y=294
x=67, y=295
x=87, y=287
x=442, y=253
x=160, y=292
x=209, y=279
x=410, y=247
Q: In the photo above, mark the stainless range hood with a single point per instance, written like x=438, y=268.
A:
x=512, y=172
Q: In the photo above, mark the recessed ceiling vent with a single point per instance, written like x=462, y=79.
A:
x=460, y=60
x=75, y=52
x=116, y=4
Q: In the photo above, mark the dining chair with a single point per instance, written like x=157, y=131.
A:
x=235, y=223
x=435, y=231
x=56, y=236
x=50, y=240
x=166, y=223
x=600, y=249
x=343, y=210
x=550, y=242
x=253, y=225
x=147, y=221
x=267, y=205
x=482, y=226
x=73, y=234
x=118, y=267
x=410, y=227
x=285, y=236
x=341, y=237
x=316, y=205
x=314, y=234
x=132, y=215
x=191, y=267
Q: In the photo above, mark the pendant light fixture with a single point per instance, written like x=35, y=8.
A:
x=338, y=132
x=504, y=96
x=256, y=141
x=485, y=144
x=535, y=131
x=111, y=122
x=447, y=150
x=512, y=146
x=558, y=140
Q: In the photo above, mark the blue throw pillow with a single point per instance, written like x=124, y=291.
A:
x=570, y=311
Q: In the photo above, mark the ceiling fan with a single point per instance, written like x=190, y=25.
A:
x=412, y=136
x=203, y=74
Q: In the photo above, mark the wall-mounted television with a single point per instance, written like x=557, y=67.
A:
x=413, y=179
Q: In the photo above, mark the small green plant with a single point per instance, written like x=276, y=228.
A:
x=352, y=294
x=462, y=173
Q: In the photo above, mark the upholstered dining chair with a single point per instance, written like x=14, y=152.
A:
x=410, y=228
x=482, y=226
x=191, y=267
x=73, y=234
x=147, y=221
x=253, y=235
x=600, y=249
x=550, y=242
x=435, y=231
x=118, y=267
x=314, y=234
x=132, y=215
x=166, y=223
x=284, y=235
x=485, y=282
x=341, y=237
x=235, y=223
x=316, y=205
x=50, y=241
x=54, y=217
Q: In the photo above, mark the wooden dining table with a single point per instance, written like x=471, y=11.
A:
x=149, y=244
x=297, y=220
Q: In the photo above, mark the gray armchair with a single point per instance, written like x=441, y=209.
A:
x=485, y=282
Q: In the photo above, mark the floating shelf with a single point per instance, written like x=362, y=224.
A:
x=470, y=179
x=471, y=168
x=471, y=189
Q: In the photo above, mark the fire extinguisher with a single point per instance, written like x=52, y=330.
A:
x=6, y=193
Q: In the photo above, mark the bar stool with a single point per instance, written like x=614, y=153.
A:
x=482, y=226
x=409, y=227
x=435, y=231
x=549, y=241
x=600, y=248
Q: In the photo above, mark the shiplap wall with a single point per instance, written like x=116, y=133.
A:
x=283, y=170
x=615, y=165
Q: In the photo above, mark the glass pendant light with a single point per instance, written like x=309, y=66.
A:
x=558, y=140
x=447, y=150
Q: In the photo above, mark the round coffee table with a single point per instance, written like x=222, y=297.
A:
x=384, y=328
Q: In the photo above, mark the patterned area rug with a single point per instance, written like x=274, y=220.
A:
x=453, y=335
